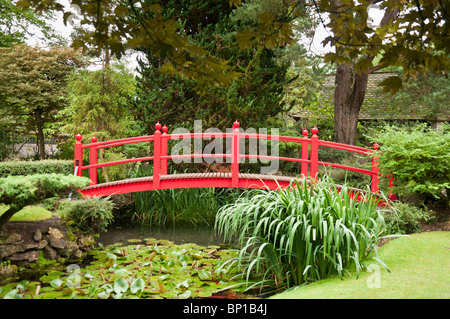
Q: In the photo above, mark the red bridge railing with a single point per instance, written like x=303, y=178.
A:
x=309, y=153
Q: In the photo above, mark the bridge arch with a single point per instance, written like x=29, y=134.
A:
x=160, y=179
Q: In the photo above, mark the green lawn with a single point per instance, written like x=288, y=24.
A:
x=28, y=214
x=419, y=268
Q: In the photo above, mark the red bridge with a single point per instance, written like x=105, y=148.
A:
x=160, y=179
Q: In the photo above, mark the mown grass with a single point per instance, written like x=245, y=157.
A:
x=28, y=214
x=419, y=265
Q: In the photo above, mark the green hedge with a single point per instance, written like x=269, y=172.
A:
x=418, y=157
x=15, y=168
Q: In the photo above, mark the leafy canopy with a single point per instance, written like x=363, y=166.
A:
x=416, y=39
x=412, y=34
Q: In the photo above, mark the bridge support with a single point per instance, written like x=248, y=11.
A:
x=375, y=179
x=157, y=156
x=93, y=161
x=78, y=155
x=314, y=166
x=235, y=155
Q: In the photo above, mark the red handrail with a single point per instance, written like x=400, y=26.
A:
x=309, y=153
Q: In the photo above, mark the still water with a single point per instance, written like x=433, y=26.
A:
x=179, y=234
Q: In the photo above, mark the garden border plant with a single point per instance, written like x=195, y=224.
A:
x=15, y=168
x=417, y=158
x=20, y=191
x=92, y=215
x=305, y=232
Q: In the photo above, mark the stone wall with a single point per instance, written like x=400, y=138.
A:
x=21, y=243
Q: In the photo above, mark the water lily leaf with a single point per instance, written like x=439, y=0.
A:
x=204, y=275
x=13, y=294
x=57, y=283
x=111, y=256
x=118, y=296
x=120, y=285
x=204, y=294
x=183, y=260
x=51, y=275
x=103, y=295
x=185, y=295
x=137, y=285
x=122, y=272
x=66, y=291
x=170, y=263
x=164, y=277
x=165, y=270
x=185, y=283
x=22, y=285
x=108, y=288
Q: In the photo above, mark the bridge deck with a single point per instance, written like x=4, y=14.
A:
x=190, y=180
x=195, y=180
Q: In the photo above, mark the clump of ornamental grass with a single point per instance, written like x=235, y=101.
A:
x=301, y=233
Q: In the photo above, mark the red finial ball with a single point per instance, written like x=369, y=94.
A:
x=157, y=126
x=376, y=146
x=305, y=132
x=78, y=137
x=93, y=139
x=165, y=129
x=314, y=130
x=235, y=124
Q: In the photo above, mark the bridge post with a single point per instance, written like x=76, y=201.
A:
x=375, y=169
x=392, y=196
x=305, y=152
x=164, y=150
x=92, y=161
x=78, y=156
x=157, y=156
x=235, y=155
x=314, y=153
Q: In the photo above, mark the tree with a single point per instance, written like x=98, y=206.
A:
x=20, y=191
x=412, y=35
x=98, y=105
x=169, y=98
x=32, y=84
x=16, y=25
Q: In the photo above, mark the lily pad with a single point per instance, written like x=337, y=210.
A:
x=204, y=275
x=121, y=285
x=52, y=275
x=137, y=285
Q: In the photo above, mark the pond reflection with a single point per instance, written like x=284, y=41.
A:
x=179, y=234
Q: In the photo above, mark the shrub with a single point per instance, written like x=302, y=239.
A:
x=14, y=168
x=20, y=191
x=88, y=214
x=405, y=219
x=418, y=158
x=301, y=233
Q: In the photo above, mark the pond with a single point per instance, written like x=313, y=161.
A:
x=179, y=234
x=136, y=262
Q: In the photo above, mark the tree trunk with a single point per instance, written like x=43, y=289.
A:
x=8, y=214
x=351, y=87
x=40, y=133
x=348, y=98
